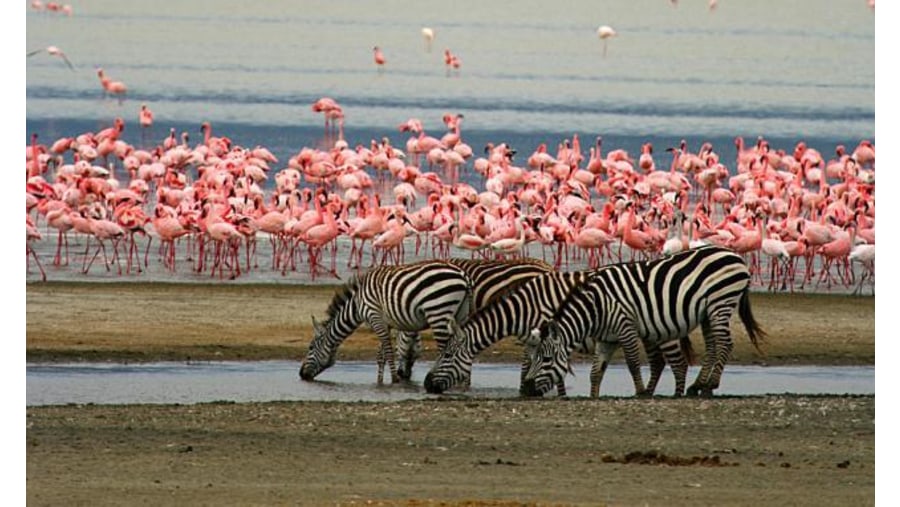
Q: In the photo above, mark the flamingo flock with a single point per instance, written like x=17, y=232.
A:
x=801, y=219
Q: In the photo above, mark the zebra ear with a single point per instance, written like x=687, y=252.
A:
x=315, y=324
x=532, y=339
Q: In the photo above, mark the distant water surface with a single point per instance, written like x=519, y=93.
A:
x=531, y=71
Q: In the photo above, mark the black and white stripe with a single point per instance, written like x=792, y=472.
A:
x=657, y=303
x=409, y=298
x=515, y=314
x=490, y=279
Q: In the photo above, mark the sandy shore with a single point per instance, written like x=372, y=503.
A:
x=774, y=450
x=163, y=321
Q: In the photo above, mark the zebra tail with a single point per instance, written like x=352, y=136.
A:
x=687, y=348
x=754, y=331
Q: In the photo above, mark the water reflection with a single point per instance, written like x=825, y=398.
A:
x=53, y=384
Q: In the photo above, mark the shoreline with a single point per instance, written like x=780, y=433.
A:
x=167, y=321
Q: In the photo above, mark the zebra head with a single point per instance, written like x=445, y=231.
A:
x=320, y=355
x=454, y=365
x=408, y=349
x=548, y=359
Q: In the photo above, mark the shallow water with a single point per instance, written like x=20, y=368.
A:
x=54, y=384
x=532, y=71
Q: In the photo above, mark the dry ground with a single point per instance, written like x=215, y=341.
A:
x=768, y=450
x=150, y=321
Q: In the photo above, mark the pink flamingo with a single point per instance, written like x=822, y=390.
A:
x=637, y=241
x=61, y=220
x=116, y=88
x=366, y=229
x=169, y=229
x=321, y=235
x=378, y=57
x=32, y=234
x=391, y=240
x=103, y=229
x=227, y=239
x=145, y=116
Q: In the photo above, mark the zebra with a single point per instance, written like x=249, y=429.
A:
x=410, y=297
x=657, y=302
x=490, y=279
x=515, y=314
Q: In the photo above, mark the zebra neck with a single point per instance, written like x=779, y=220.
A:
x=510, y=316
x=344, y=323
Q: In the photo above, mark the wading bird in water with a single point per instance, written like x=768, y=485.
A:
x=605, y=32
x=428, y=36
x=379, y=57
x=145, y=116
x=53, y=51
x=111, y=87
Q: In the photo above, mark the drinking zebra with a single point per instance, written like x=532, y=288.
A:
x=490, y=279
x=515, y=314
x=658, y=303
x=410, y=298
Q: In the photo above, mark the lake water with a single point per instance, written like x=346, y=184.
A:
x=531, y=71
x=54, y=384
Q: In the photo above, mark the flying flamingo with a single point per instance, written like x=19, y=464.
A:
x=52, y=51
x=451, y=61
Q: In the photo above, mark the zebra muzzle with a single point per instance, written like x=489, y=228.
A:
x=434, y=386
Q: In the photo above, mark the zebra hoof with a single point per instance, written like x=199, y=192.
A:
x=693, y=391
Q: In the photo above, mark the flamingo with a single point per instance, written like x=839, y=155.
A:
x=864, y=254
x=53, y=51
x=378, y=55
x=428, y=37
x=390, y=242
x=145, y=116
x=33, y=234
x=111, y=87
x=605, y=32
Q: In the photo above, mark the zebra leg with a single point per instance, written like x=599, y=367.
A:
x=602, y=355
x=709, y=357
x=724, y=346
x=386, y=351
x=631, y=346
x=678, y=363
x=717, y=332
x=409, y=348
x=657, y=365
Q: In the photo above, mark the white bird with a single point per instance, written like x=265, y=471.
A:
x=428, y=35
x=52, y=51
x=864, y=254
x=605, y=32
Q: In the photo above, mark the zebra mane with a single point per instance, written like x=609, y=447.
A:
x=342, y=296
